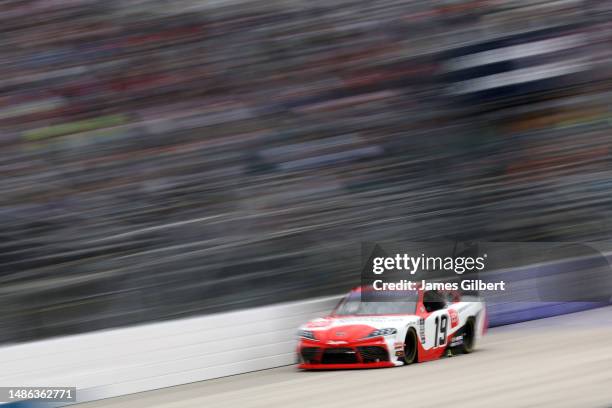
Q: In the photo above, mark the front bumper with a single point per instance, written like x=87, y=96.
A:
x=374, y=353
x=344, y=366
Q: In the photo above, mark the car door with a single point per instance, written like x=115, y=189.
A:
x=436, y=320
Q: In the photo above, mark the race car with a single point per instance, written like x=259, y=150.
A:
x=392, y=328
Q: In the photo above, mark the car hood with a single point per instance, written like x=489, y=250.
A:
x=342, y=328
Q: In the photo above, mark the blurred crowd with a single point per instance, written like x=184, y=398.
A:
x=168, y=158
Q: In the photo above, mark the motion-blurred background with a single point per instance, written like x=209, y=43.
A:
x=170, y=158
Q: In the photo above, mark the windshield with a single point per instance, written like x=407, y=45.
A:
x=379, y=303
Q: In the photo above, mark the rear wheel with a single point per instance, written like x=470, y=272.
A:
x=410, y=347
x=469, y=332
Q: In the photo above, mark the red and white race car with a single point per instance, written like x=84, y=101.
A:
x=390, y=329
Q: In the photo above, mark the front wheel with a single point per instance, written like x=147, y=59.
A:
x=410, y=347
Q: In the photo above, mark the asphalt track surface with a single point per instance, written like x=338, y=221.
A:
x=564, y=361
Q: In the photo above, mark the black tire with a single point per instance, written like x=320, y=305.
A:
x=469, y=334
x=411, y=353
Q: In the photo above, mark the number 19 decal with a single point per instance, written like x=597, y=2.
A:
x=441, y=329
